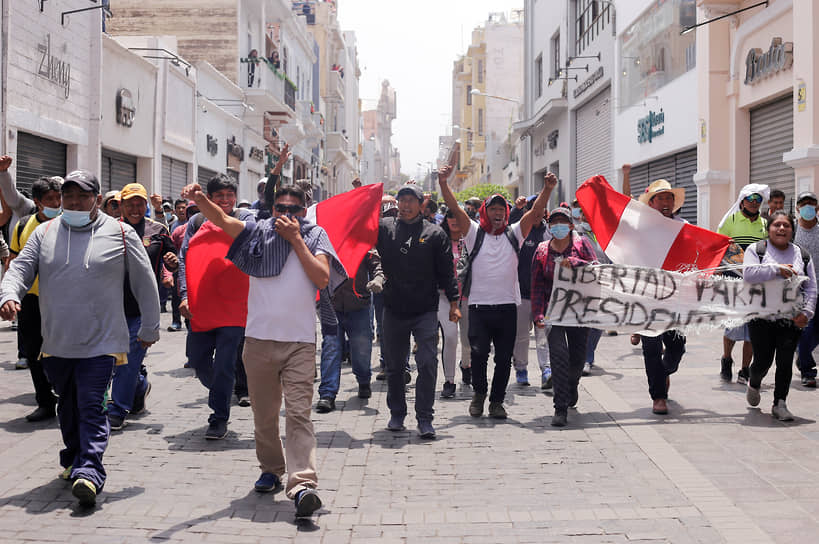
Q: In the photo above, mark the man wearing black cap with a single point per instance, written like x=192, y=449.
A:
x=416, y=257
x=807, y=237
x=83, y=260
x=494, y=290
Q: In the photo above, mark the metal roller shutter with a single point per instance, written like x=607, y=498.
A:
x=118, y=170
x=37, y=157
x=593, y=139
x=684, y=170
x=203, y=176
x=639, y=179
x=174, y=177
x=771, y=136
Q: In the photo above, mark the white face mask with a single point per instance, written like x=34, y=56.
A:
x=74, y=218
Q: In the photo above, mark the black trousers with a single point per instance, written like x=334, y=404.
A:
x=30, y=336
x=488, y=325
x=773, y=339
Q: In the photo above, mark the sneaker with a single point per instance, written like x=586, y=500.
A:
x=396, y=424
x=752, y=395
x=559, y=419
x=426, y=430
x=725, y=373
x=139, y=400
x=325, y=405
x=42, y=413
x=22, y=364
x=808, y=382
x=587, y=368
x=217, y=430
x=660, y=407
x=496, y=410
x=743, y=375
x=364, y=391
x=85, y=491
x=381, y=376
x=448, y=391
x=466, y=375
x=546, y=379
x=573, y=398
x=66, y=473
x=267, y=482
x=476, y=406
x=175, y=327
x=307, y=501
x=116, y=422
x=780, y=411
x=522, y=377
x=407, y=377
x=244, y=401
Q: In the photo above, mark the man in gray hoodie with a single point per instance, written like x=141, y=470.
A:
x=83, y=259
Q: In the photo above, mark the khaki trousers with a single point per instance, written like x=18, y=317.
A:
x=274, y=368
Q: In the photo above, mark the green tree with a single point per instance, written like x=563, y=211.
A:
x=483, y=191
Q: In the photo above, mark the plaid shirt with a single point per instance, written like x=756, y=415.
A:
x=579, y=253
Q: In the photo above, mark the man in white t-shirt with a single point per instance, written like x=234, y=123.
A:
x=287, y=259
x=493, y=290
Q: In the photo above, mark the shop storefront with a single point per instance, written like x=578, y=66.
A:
x=38, y=157
x=757, y=104
x=593, y=138
x=117, y=170
x=678, y=169
x=174, y=177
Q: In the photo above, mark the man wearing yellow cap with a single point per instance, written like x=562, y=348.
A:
x=130, y=386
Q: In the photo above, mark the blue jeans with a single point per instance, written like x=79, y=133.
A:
x=358, y=329
x=213, y=355
x=807, y=343
x=591, y=344
x=127, y=378
x=397, y=330
x=81, y=385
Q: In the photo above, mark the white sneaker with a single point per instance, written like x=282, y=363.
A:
x=752, y=395
x=587, y=369
x=780, y=411
x=22, y=364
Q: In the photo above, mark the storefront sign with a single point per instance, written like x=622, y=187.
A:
x=212, y=145
x=552, y=137
x=256, y=154
x=650, y=126
x=53, y=68
x=591, y=80
x=540, y=148
x=235, y=149
x=126, y=111
x=759, y=65
x=801, y=96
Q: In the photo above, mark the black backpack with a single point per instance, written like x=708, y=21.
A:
x=463, y=268
x=761, y=248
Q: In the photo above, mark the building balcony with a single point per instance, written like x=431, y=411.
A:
x=267, y=90
x=337, y=148
x=335, y=87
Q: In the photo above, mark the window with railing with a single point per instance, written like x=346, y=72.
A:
x=591, y=18
x=556, y=56
x=539, y=76
x=480, y=70
x=480, y=122
x=469, y=95
x=290, y=95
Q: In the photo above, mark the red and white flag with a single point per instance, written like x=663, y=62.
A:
x=351, y=222
x=633, y=233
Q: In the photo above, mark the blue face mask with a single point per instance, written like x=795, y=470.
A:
x=559, y=230
x=74, y=218
x=168, y=216
x=51, y=213
x=808, y=213
x=576, y=213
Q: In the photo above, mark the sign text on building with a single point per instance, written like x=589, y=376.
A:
x=53, y=68
x=212, y=145
x=650, y=126
x=126, y=111
x=759, y=65
x=589, y=81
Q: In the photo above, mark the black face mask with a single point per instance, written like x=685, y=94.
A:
x=749, y=215
x=472, y=214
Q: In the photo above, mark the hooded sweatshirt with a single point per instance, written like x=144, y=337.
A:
x=82, y=275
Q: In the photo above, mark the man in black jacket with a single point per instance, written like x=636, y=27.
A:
x=416, y=257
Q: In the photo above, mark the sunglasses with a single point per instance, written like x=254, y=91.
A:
x=292, y=209
x=754, y=198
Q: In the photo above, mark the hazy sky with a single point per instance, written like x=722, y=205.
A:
x=413, y=44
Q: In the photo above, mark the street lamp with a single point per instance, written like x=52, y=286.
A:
x=476, y=92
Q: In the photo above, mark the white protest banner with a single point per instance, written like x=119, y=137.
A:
x=633, y=299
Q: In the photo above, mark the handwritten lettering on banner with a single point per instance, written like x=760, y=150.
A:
x=633, y=299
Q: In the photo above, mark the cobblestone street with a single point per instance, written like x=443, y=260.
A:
x=714, y=470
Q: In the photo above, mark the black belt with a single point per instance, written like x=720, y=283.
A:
x=492, y=306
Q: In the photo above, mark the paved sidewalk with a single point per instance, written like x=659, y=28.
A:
x=714, y=470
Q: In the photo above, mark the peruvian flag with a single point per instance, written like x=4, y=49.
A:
x=633, y=233
x=351, y=222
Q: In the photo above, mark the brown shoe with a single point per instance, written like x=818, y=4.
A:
x=660, y=407
x=635, y=339
x=496, y=410
x=476, y=406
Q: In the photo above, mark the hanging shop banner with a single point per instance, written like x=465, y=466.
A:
x=634, y=299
